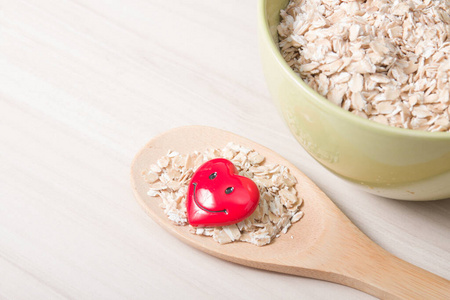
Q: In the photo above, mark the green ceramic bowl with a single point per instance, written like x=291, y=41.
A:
x=387, y=161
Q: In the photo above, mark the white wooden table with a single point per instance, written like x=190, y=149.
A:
x=83, y=85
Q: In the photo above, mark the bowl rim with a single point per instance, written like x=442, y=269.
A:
x=321, y=102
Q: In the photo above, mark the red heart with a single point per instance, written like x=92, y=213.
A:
x=218, y=196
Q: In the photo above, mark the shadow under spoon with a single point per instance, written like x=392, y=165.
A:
x=326, y=245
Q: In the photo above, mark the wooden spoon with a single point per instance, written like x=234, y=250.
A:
x=326, y=244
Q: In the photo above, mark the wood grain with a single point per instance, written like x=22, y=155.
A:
x=83, y=86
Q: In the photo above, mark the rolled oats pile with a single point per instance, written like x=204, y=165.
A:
x=385, y=60
x=279, y=204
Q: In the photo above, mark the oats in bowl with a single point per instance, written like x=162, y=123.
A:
x=388, y=61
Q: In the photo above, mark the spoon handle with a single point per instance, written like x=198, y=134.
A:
x=350, y=258
x=394, y=278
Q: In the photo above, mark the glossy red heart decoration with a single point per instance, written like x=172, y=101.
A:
x=218, y=196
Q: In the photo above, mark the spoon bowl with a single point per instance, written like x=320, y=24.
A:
x=324, y=244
